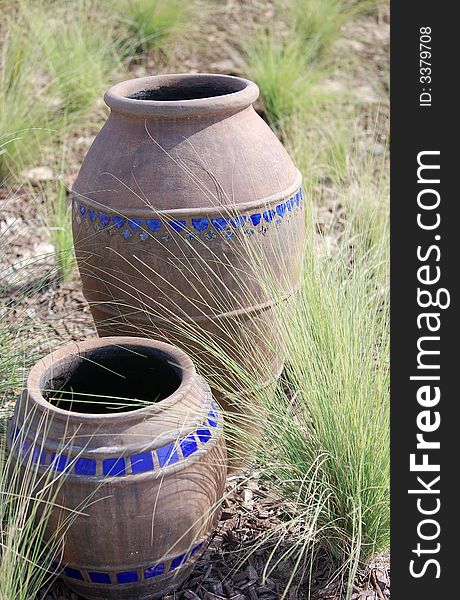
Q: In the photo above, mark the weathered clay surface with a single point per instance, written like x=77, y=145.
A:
x=186, y=211
x=147, y=482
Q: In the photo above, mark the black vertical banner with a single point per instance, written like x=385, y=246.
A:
x=425, y=269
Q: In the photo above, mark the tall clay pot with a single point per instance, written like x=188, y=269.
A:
x=185, y=200
x=146, y=482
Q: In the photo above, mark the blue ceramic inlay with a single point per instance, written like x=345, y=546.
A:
x=140, y=463
x=177, y=225
x=212, y=419
x=85, y=466
x=114, y=467
x=38, y=455
x=153, y=224
x=74, y=573
x=154, y=571
x=118, y=221
x=26, y=447
x=188, y=445
x=220, y=224
x=177, y=561
x=247, y=223
x=135, y=224
x=60, y=462
x=99, y=577
x=127, y=577
x=281, y=209
x=104, y=219
x=238, y=221
x=268, y=215
x=203, y=434
x=200, y=224
x=195, y=549
x=167, y=455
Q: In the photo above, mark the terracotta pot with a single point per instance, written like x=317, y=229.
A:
x=185, y=199
x=148, y=481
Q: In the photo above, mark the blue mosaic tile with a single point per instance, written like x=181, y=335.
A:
x=203, y=434
x=188, y=445
x=153, y=224
x=55, y=568
x=229, y=235
x=118, y=221
x=167, y=455
x=135, y=224
x=60, y=462
x=104, y=219
x=177, y=562
x=127, y=577
x=74, y=573
x=212, y=419
x=97, y=577
x=15, y=433
x=38, y=455
x=200, y=224
x=85, y=466
x=140, y=463
x=220, y=224
x=268, y=215
x=26, y=445
x=113, y=467
x=238, y=221
x=177, y=225
x=154, y=571
x=281, y=209
x=196, y=548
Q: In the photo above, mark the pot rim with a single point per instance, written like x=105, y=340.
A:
x=42, y=368
x=238, y=94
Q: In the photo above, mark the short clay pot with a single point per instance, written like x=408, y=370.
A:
x=184, y=200
x=148, y=481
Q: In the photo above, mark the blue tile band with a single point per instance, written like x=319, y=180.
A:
x=124, y=577
x=118, y=466
x=209, y=227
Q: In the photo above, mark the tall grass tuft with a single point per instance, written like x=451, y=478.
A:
x=56, y=60
x=152, y=23
x=25, y=116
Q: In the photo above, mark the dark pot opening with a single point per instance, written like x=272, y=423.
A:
x=112, y=379
x=182, y=96
x=187, y=89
